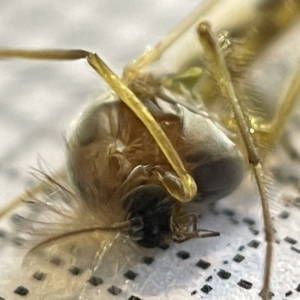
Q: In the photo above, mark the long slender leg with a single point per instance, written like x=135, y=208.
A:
x=132, y=70
x=223, y=79
x=189, y=189
x=183, y=188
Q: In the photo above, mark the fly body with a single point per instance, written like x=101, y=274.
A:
x=185, y=124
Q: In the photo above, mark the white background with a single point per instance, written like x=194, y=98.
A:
x=38, y=100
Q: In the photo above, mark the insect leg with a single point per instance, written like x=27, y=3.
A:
x=189, y=230
x=189, y=188
x=132, y=70
x=221, y=74
x=51, y=54
x=183, y=189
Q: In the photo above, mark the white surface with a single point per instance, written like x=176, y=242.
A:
x=39, y=100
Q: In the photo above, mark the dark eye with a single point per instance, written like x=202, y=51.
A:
x=154, y=207
x=218, y=178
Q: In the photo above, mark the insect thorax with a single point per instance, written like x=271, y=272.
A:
x=111, y=153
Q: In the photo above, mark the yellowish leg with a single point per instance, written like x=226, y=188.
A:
x=132, y=70
x=183, y=189
x=221, y=74
x=189, y=188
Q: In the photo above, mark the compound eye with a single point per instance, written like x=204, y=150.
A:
x=218, y=178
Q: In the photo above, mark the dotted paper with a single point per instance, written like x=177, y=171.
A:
x=39, y=101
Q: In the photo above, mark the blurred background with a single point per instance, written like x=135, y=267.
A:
x=38, y=101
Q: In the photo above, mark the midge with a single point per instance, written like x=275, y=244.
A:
x=176, y=130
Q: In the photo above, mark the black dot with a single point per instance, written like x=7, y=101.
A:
x=55, y=261
x=290, y=240
x=298, y=288
x=209, y=278
x=114, y=290
x=289, y=293
x=297, y=250
x=40, y=276
x=148, y=260
x=183, y=254
x=203, y=264
x=21, y=290
x=75, y=271
x=241, y=248
x=245, y=284
x=249, y=221
x=254, y=244
x=223, y=274
x=238, y=258
x=225, y=262
x=228, y=212
x=193, y=293
x=206, y=288
x=95, y=281
x=284, y=214
x=134, y=298
x=163, y=246
x=130, y=275
x=254, y=231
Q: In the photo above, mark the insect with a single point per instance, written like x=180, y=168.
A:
x=177, y=102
